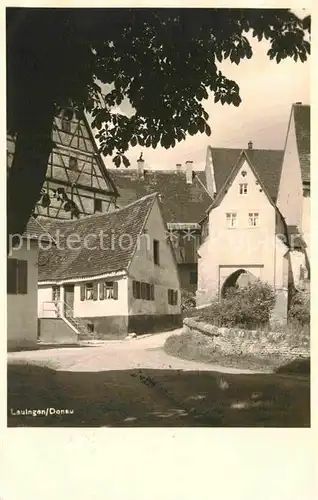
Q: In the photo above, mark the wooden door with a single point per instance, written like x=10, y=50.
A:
x=69, y=300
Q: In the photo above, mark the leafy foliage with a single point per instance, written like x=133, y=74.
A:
x=187, y=301
x=246, y=307
x=61, y=195
x=299, y=311
x=165, y=62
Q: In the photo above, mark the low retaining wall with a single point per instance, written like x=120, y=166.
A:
x=55, y=331
x=260, y=344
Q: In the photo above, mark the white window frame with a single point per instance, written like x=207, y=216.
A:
x=108, y=290
x=231, y=220
x=89, y=291
x=253, y=216
x=56, y=293
x=243, y=188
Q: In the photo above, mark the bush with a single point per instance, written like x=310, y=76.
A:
x=299, y=311
x=187, y=301
x=246, y=307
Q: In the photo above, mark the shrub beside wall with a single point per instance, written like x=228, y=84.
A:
x=187, y=303
x=236, y=331
x=299, y=311
x=247, y=307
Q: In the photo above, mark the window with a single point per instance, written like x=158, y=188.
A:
x=193, y=277
x=56, y=294
x=172, y=297
x=17, y=277
x=243, y=188
x=156, y=252
x=253, y=219
x=108, y=290
x=72, y=163
x=66, y=124
x=98, y=205
x=136, y=290
x=144, y=291
x=89, y=291
x=231, y=219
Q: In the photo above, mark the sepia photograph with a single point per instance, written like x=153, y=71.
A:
x=158, y=217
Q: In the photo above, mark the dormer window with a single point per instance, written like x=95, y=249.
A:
x=243, y=188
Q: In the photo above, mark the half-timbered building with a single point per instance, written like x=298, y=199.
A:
x=77, y=182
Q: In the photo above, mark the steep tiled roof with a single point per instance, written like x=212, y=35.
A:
x=87, y=253
x=302, y=129
x=267, y=163
x=180, y=202
x=34, y=231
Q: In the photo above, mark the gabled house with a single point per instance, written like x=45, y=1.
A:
x=294, y=191
x=22, y=278
x=77, y=182
x=109, y=274
x=245, y=235
x=183, y=198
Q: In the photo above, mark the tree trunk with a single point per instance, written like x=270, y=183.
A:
x=28, y=170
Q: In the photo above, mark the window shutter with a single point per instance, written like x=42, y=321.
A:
x=22, y=276
x=95, y=291
x=144, y=291
x=82, y=292
x=176, y=298
x=134, y=289
x=169, y=295
x=138, y=290
x=12, y=276
x=152, y=292
x=115, y=290
x=101, y=291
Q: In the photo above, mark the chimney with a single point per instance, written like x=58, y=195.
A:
x=250, y=145
x=189, y=168
x=178, y=167
x=298, y=103
x=140, y=167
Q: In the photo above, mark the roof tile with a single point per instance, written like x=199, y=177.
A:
x=93, y=245
x=302, y=129
x=181, y=202
x=267, y=163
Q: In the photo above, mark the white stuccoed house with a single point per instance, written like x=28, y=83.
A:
x=129, y=284
x=22, y=281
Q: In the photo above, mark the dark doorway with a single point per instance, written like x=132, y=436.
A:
x=239, y=278
x=69, y=300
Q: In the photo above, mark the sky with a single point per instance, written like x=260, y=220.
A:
x=267, y=90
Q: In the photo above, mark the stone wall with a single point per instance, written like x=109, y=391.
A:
x=257, y=343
